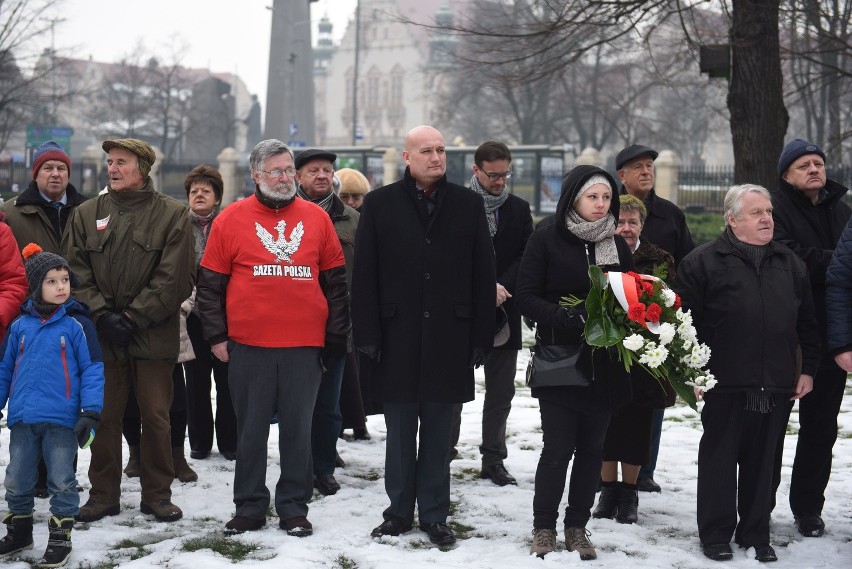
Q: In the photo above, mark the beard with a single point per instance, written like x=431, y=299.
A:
x=281, y=191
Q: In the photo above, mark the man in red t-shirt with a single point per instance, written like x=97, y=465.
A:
x=273, y=301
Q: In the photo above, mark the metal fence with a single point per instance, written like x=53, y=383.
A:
x=536, y=176
x=702, y=189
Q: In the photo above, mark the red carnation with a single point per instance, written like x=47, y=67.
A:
x=636, y=312
x=654, y=312
x=648, y=288
x=677, y=301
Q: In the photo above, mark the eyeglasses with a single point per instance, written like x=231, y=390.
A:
x=494, y=177
x=277, y=173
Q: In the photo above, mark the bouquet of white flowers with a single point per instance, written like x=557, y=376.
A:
x=642, y=318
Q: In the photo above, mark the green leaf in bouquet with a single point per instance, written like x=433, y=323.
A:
x=684, y=391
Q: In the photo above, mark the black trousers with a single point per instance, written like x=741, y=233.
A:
x=735, y=458
x=418, y=474
x=351, y=398
x=500, y=369
x=817, y=433
x=567, y=431
x=200, y=419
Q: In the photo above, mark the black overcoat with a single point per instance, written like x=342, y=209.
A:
x=514, y=227
x=423, y=291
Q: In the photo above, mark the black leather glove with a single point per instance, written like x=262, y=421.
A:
x=85, y=428
x=477, y=358
x=331, y=352
x=372, y=352
x=572, y=318
x=117, y=327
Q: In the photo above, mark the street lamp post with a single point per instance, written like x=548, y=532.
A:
x=355, y=75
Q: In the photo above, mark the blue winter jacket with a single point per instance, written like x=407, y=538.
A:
x=52, y=369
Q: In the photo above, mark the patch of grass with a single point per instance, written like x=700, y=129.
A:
x=371, y=475
x=108, y=563
x=140, y=553
x=343, y=562
x=233, y=549
x=463, y=473
x=129, y=544
x=454, y=507
x=527, y=447
x=462, y=531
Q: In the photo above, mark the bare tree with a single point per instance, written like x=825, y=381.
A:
x=21, y=22
x=553, y=34
x=819, y=50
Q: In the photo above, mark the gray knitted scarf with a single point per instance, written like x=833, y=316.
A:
x=599, y=232
x=491, y=203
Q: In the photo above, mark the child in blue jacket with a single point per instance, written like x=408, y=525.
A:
x=52, y=375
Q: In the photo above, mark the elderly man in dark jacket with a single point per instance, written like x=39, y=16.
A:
x=751, y=304
x=423, y=309
x=809, y=216
x=314, y=174
x=133, y=249
x=665, y=227
x=41, y=213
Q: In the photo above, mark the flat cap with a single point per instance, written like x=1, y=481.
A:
x=306, y=156
x=140, y=148
x=633, y=152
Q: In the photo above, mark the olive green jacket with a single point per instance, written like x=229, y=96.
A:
x=133, y=252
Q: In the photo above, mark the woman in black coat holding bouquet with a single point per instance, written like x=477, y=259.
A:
x=574, y=420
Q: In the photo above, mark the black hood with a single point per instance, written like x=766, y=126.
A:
x=571, y=184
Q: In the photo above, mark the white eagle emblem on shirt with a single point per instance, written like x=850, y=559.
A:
x=281, y=247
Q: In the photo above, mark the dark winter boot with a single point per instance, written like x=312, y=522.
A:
x=183, y=471
x=19, y=534
x=628, y=504
x=58, y=542
x=608, y=502
x=132, y=468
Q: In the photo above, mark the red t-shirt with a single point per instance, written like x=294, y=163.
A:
x=274, y=299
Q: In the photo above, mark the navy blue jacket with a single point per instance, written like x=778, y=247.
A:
x=838, y=295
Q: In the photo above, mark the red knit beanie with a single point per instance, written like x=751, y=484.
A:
x=49, y=150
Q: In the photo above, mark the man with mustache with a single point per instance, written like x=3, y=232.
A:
x=273, y=301
x=810, y=215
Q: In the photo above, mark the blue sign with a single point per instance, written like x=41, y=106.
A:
x=294, y=129
x=37, y=134
x=296, y=143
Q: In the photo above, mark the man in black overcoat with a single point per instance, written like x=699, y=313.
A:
x=510, y=226
x=423, y=310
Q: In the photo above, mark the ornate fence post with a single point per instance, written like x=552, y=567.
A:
x=591, y=157
x=231, y=178
x=666, y=166
x=391, y=160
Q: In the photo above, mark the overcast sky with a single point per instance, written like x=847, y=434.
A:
x=222, y=35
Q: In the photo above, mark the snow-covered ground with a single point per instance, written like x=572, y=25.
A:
x=494, y=523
